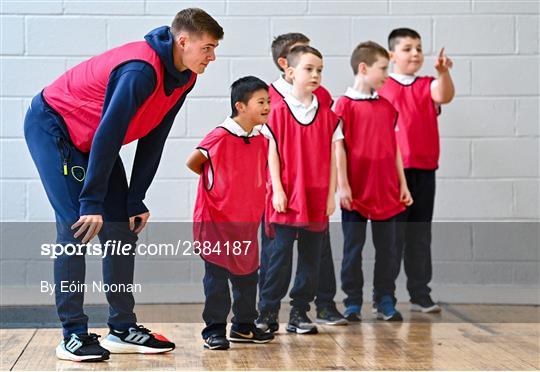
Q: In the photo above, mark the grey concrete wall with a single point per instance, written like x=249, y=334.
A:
x=489, y=168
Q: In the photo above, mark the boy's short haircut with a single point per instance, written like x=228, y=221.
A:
x=298, y=51
x=242, y=90
x=283, y=43
x=197, y=21
x=367, y=52
x=398, y=33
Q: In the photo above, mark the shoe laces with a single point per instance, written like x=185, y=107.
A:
x=269, y=318
x=332, y=311
x=142, y=329
x=426, y=301
x=300, y=315
x=257, y=332
x=89, y=339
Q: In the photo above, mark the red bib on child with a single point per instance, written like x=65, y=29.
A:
x=304, y=153
x=417, y=130
x=370, y=142
x=230, y=200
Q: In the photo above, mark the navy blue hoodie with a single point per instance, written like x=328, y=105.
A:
x=128, y=88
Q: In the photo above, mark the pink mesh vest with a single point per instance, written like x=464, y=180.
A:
x=78, y=94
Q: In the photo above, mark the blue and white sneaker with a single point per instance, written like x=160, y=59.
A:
x=386, y=310
x=352, y=313
x=82, y=348
x=136, y=340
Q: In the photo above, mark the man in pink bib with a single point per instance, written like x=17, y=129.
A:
x=74, y=130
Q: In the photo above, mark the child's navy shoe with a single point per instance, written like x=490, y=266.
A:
x=267, y=322
x=254, y=335
x=300, y=323
x=216, y=342
x=425, y=304
x=330, y=316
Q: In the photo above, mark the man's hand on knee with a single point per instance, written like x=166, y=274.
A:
x=91, y=224
x=138, y=222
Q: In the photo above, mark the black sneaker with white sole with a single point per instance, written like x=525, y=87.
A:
x=136, y=340
x=330, y=316
x=300, y=323
x=216, y=342
x=82, y=348
x=254, y=335
x=268, y=322
x=425, y=305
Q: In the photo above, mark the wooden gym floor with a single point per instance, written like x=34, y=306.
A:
x=462, y=337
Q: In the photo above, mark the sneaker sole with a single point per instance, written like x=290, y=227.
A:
x=294, y=329
x=249, y=340
x=125, y=348
x=63, y=354
x=350, y=319
x=332, y=323
x=393, y=318
x=220, y=347
x=433, y=309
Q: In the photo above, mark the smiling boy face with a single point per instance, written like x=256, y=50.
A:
x=407, y=56
x=257, y=108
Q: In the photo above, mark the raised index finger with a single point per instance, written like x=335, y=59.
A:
x=441, y=52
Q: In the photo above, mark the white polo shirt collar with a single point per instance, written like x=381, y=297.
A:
x=403, y=79
x=282, y=86
x=235, y=128
x=354, y=94
x=303, y=114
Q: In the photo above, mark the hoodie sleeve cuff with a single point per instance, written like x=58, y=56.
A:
x=90, y=208
x=136, y=208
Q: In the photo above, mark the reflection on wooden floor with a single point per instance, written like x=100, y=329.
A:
x=507, y=338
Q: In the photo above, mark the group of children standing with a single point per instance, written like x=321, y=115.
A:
x=283, y=154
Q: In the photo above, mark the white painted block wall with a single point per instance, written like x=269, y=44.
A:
x=489, y=168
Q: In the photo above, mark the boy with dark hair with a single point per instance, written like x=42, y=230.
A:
x=327, y=312
x=74, y=130
x=302, y=133
x=418, y=100
x=232, y=160
x=371, y=182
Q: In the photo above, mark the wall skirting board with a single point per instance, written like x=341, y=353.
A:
x=192, y=293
